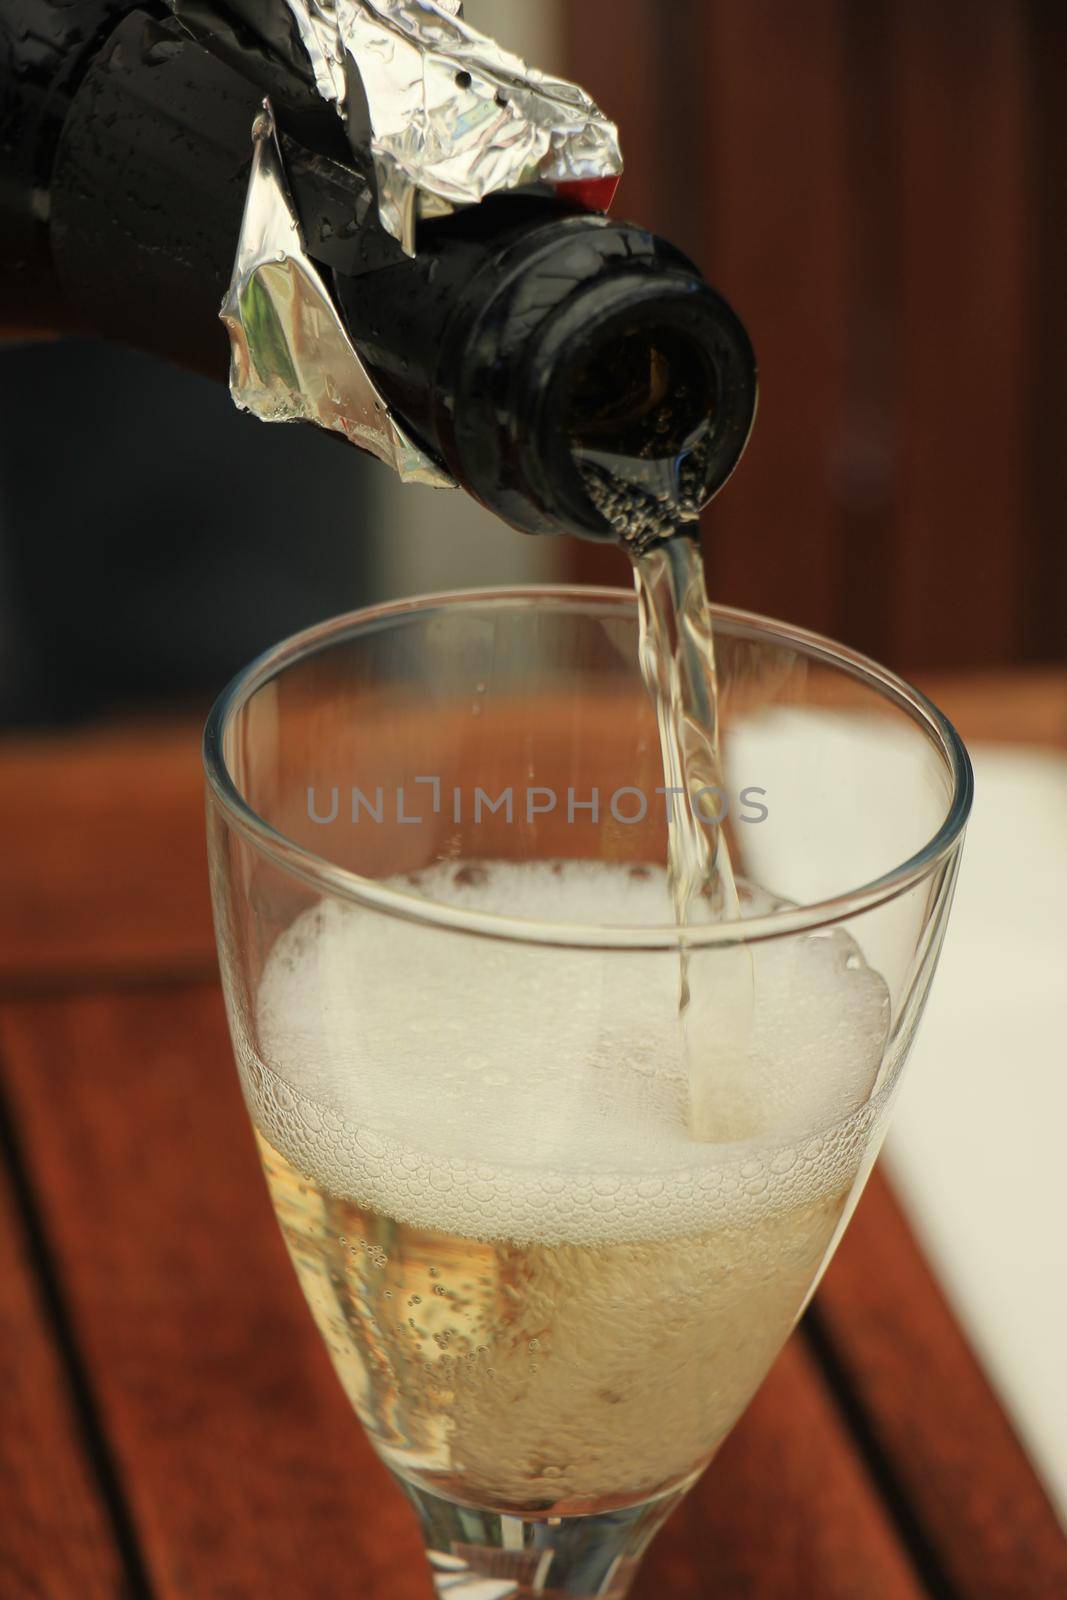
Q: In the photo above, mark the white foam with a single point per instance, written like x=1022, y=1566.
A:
x=509, y=1091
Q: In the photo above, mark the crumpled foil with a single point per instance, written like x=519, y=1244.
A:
x=453, y=116
x=316, y=21
x=290, y=356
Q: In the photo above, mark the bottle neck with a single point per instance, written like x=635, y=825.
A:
x=524, y=336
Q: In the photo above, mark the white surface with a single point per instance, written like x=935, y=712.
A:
x=978, y=1148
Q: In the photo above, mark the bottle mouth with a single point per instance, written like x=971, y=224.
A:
x=641, y=421
x=650, y=405
x=640, y=393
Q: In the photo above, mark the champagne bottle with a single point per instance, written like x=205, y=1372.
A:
x=524, y=338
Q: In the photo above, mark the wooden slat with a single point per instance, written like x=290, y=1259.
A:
x=244, y=1468
x=104, y=870
x=246, y=1472
x=863, y=475
x=956, y=577
x=1045, y=593
x=55, y=1537
x=776, y=224
x=932, y=1415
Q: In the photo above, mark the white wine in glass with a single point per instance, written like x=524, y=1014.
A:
x=547, y=1298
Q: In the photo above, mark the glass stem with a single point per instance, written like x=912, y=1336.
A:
x=488, y=1555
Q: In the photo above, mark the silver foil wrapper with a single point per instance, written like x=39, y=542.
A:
x=320, y=35
x=316, y=21
x=290, y=356
x=453, y=116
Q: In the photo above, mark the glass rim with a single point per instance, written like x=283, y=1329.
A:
x=318, y=871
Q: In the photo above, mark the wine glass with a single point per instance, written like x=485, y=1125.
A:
x=437, y=838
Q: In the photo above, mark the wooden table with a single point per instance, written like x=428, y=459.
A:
x=171, y=1426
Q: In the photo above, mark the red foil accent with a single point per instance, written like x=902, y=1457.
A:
x=592, y=194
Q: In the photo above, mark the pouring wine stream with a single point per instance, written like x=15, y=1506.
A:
x=651, y=502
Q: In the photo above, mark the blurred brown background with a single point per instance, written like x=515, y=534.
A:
x=878, y=186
